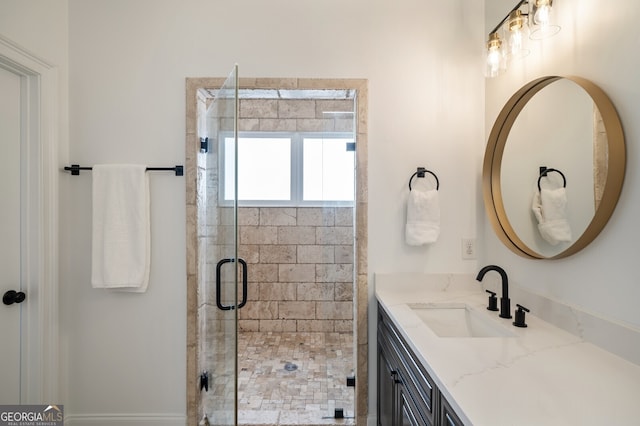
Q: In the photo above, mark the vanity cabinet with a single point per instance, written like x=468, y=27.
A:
x=407, y=396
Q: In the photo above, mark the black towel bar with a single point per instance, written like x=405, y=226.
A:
x=75, y=169
x=420, y=173
x=543, y=172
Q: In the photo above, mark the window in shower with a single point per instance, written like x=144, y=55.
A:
x=292, y=169
x=327, y=169
x=264, y=168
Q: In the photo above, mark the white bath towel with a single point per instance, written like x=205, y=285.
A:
x=423, y=217
x=121, y=227
x=550, y=209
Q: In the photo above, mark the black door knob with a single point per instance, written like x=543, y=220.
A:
x=12, y=296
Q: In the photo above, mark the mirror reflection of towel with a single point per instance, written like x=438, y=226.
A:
x=423, y=217
x=550, y=209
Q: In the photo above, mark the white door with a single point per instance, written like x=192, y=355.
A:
x=10, y=161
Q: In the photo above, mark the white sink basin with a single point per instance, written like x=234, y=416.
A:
x=459, y=320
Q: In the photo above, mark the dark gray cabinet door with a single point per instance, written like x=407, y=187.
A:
x=386, y=389
x=407, y=395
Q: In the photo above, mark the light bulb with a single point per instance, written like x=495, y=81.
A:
x=494, y=55
x=542, y=15
x=493, y=58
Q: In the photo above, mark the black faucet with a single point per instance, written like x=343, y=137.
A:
x=505, y=303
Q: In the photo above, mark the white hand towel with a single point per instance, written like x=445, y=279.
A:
x=550, y=209
x=121, y=227
x=423, y=217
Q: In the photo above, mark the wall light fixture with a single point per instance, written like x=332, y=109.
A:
x=528, y=20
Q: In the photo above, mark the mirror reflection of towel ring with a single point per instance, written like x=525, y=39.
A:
x=544, y=172
x=420, y=173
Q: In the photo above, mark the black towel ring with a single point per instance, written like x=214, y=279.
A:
x=420, y=173
x=543, y=173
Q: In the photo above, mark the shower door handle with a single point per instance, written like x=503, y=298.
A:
x=219, y=285
x=12, y=296
x=244, y=283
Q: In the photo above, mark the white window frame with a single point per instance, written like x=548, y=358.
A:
x=296, y=163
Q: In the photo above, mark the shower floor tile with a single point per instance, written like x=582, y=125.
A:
x=304, y=394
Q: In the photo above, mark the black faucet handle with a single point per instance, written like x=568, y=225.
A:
x=520, y=313
x=493, y=301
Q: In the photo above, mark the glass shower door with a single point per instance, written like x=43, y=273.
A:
x=220, y=295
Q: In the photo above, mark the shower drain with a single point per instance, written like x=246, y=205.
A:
x=289, y=366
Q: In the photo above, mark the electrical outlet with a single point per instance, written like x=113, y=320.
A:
x=468, y=248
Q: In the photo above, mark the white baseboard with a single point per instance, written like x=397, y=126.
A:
x=125, y=420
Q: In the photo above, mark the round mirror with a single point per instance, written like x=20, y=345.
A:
x=553, y=167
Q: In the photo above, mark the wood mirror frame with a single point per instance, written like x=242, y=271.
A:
x=491, y=185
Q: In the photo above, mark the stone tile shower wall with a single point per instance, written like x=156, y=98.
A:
x=300, y=269
x=300, y=260
x=291, y=115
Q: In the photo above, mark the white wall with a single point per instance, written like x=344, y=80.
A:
x=128, y=63
x=18, y=19
x=600, y=44
x=41, y=28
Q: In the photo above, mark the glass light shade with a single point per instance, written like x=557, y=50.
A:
x=542, y=19
x=495, y=56
x=517, y=33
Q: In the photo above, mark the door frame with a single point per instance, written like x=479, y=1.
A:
x=40, y=168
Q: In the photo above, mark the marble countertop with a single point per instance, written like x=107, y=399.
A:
x=541, y=376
